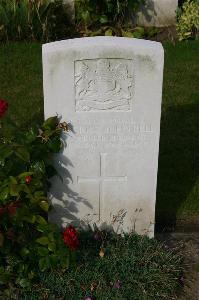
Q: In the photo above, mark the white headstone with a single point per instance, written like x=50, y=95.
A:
x=109, y=89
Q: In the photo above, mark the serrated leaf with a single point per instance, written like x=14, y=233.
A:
x=42, y=240
x=42, y=227
x=44, y=205
x=41, y=220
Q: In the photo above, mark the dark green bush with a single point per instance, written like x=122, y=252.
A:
x=31, y=20
x=27, y=241
x=131, y=267
x=95, y=12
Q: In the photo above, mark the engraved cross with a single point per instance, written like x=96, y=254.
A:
x=101, y=179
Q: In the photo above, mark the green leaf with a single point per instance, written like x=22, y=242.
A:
x=52, y=247
x=41, y=220
x=24, y=283
x=24, y=252
x=42, y=251
x=30, y=219
x=22, y=153
x=12, y=180
x=55, y=144
x=14, y=190
x=44, y=205
x=5, y=151
x=43, y=240
x=31, y=135
x=128, y=34
x=23, y=175
x=4, y=194
x=5, y=278
x=65, y=261
x=44, y=263
x=31, y=275
x=51, y=123
x=53, y=260
x=103, y=19
x=85, y=16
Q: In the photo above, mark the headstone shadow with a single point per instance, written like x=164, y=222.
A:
x=66, y=208
x=178, y=162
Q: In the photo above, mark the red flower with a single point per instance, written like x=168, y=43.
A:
x=70, y=237
x=12, y=209
x=28, y=179
x=3, y=107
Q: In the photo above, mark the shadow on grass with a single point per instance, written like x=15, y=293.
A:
x=178, y=165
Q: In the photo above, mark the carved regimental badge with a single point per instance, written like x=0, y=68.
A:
x=104, y=84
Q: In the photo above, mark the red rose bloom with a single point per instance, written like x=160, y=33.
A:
x=70, y=237
x=28, y=179
x=3, y=107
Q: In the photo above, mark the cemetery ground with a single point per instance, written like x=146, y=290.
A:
x=177, y=206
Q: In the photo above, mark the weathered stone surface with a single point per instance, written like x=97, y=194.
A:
x=70, y=8
x=158, y=13
x=110, y=91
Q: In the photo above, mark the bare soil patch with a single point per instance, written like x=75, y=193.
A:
x=188, y=245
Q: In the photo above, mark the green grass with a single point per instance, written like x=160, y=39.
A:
x=134, y=268
x=178, y=176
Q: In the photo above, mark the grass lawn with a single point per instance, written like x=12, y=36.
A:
x=178, y=179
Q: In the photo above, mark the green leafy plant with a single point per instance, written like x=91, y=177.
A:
x=32, y=20
x=27, y=241
x=188, y=20
x=100, y=12
x=113, y=266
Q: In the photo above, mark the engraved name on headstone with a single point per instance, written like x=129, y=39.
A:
x=109, y=89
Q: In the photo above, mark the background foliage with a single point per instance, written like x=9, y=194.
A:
x=95, y=12
x=188, y=20
x=42, y=20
